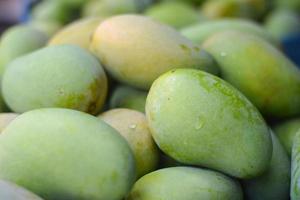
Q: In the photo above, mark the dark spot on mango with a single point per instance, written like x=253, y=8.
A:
x=185, y=48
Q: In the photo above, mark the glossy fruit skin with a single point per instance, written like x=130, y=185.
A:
x=295, y=188
x=136, y=50
x=196, y=118
x=66, y=155
x=187, y=183
x=10, y=191
x=132, y=125
x=6, y=119
x=259, y=70
x=198, y=33
x=275, y=182
x=18, y=41
x=42, y=80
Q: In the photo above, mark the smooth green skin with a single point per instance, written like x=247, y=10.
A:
x=195, y=2
x=259, y=70
x=275, y=182
x=17, y=41
x=132, y=125
x=63, y=76
x=198, y=33
x=286, y=132
x=145, y=49
x=288, y=4
x=77, y=33
x=295, y=187
x=128, y=97
x=66, y=155
x=175, y=14
x=199, y=119
x=283, y=23
x=47, y=27
x=188, y=183
x=6, y=119
x=10, y=191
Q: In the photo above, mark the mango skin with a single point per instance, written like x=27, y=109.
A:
x=136, y=50
x=6, y=119
x=175, y=14
x=186, y=183
x=198, y=33
x=59, y=76
x=77, y=33
x=205, y=130
x=47, y=27
x=66, y=155
x=295, y=187
x=132, y=125
x=18, y=41
x=288, y=4
x=128, y=97
x=275, y=182
x=259, y=70
x=286, y=132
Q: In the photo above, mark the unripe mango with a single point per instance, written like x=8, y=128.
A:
x=47, y=27
x=295, y=187
x=59, y=76
x=136, y=50
x=288, y=4
x=188, y=183
x=199, y=119
x=64, y=154
x=132, y=125
x=6, y=119
x=259, y=70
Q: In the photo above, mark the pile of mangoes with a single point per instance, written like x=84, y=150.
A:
x=151, y=100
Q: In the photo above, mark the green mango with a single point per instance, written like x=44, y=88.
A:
x=18, y=41
x=193, y=2
x=136, y=50
x=47, y=27
x=10, y=191
x=188, y=183
x=282, y=23
x=199, y=119
x=295, y=187
x=200, y=32
x=259, y=70
x=175, y=14
x=63, y=154
x=6, y=119
x=128, y=97
x=275, y=182
x=286, y=132
x=132, y=125
x=59, y=76
x=288, y=4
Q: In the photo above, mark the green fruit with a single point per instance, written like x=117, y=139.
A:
x=66, y=155
x=275, y=182
x=259, y=70
x=288, y=4
x=132, y=125
x=6, y=119
x=60, y=76
x=198, y=33
x=128, y=97
x=283, y=23
x=188, y=183
x=78, y=33
x=286, y=132
x=10, y=191
x=295, y=187
x=175, y=14
x=199, y=119
x=47, y=27
x=18, y=41
x=136, y=50
x=194, y=2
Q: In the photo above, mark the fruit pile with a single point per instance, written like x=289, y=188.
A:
x=151, y=100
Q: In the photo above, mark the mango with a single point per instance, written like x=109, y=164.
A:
x=132, y=125
x=47, y=27
x=77, y=33
x=10, y=191
x=282, y=23
x=66, y=155
x=6, y=119
x=275, y=182
x=259, y=70
x=59, y=76
x=200, y=32
x=188, y=183
x=288, y=4
x=136, y=50
x=18, y=41
x=199, y=119
x=128, y=97
x=286, y=132
x=175, y=14
x=295, y=187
